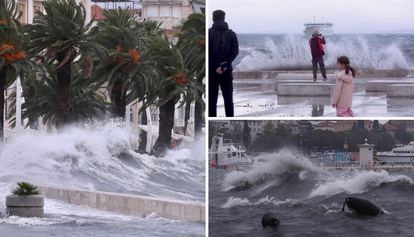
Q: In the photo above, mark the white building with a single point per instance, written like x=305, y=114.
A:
x=170, y=12
x=29, y=8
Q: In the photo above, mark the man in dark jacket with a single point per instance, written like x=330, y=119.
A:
x=316, y=45
x=223, y=49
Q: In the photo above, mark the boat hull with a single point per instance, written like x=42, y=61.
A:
x=395, y=158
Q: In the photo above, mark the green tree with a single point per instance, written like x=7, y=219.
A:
x=387, y=142
x=355, y=137
x=60, y=37
x=402, y=136
x=361, y=124
x=148, y=28
x=246, y=135
x=376, y=125
x=126, y=66
x=13, y=60
x=192, y=44
x=273, y=138
x=173, y=82
x=41, y=100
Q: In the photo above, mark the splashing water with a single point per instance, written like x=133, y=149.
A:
x=292, y=52
x=99, y=157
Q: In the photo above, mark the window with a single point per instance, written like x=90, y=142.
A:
x=181, y=112
x=164, y=11
x=22, y=8
x=254, y=129
x=177, y=12
x=258, y=130
x=131, y=116
x=152, y=12
x=154, y=115
x=37, y=6
x=192, y=112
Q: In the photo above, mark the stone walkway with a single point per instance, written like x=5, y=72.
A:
x=258, y=98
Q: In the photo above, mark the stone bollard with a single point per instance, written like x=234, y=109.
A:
x=25, y=206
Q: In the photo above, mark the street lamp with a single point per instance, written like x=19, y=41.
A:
x=346, y=144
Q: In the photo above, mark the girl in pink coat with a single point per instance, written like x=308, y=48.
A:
x=344, y=88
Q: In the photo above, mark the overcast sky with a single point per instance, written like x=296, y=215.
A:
x=288, y=16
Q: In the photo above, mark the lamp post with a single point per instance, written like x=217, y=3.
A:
x=346, y=144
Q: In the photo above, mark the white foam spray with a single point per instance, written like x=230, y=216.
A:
x=292, y=52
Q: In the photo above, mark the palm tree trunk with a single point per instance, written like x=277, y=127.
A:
x=166, y=125
x=63, y=75
x=2, y=83
x=187, y=112
x=198, y=113
x=143, y=135
x=118, y=99
x=198, y=119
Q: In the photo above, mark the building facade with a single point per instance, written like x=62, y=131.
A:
x=170, y=12
x=29, y=8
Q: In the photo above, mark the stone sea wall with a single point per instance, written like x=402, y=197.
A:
x=135, y=205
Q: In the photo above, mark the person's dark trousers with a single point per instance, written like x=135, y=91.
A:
x=225, y=81
x=315, y=62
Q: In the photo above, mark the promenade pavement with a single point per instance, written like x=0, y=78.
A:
x=258, y=98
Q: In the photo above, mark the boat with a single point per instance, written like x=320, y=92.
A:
x=227, y=155
x=399, y=154
x=324, y=28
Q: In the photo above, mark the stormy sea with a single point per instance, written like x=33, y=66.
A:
x=308, y=200
x=98, y=157
x=261, y=52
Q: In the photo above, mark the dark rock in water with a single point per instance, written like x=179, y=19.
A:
x=362, y=206
x=270, y=219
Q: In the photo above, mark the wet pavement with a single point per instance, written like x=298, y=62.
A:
x=259, y=99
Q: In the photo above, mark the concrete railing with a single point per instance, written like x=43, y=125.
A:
x=134, y=205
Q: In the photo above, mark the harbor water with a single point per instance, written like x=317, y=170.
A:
x=98, y=157
x=307, y=199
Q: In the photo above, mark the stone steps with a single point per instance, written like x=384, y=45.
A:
x=308, y=77
x=305, y=89
x=382, y=86
x=400, y=91
x=292, y=84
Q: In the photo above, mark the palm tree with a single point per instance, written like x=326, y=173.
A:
x=149, y=28
x=192, y=44
x=41, y=99
x=13, y=62
x=126, y=66
x=173, y=83
x=60, y=36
